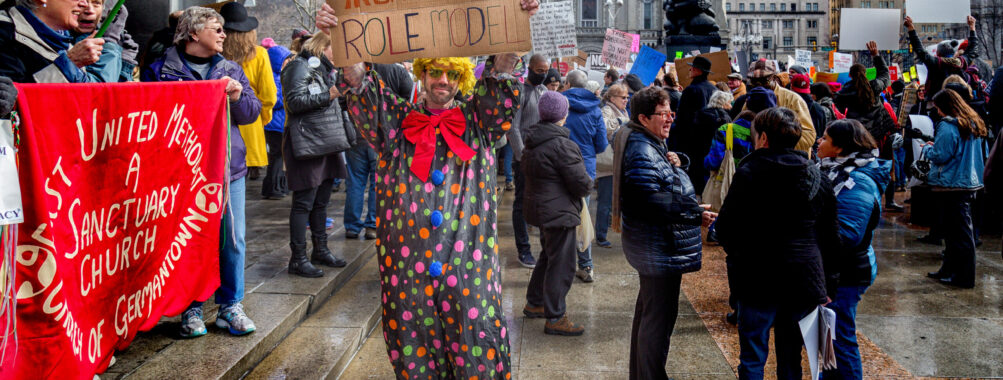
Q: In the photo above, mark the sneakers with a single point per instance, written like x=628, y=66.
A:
x=191, y=323
x=533, y=311
x=233, y=318
x=604, y=243
x=894, y=207
x=509, y=186
x=562, y=327
x=585, y=274
x=527, y=261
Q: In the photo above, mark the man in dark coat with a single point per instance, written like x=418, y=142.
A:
x=775, y=260
x=685, y=137
x=556, y=181
x=944, y=64
x=996, y=101
x=527, y=116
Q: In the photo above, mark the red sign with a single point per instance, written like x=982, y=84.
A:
x=893, y=73
x=123, y=187
x=562, y=67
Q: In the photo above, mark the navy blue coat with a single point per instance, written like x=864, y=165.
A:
x=660, y=214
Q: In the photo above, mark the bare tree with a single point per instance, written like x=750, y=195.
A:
x=306, y=12
x=990, y=28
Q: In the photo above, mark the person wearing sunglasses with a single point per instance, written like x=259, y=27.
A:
x=197, y=55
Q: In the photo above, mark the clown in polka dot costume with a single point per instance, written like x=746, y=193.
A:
x=436, y=220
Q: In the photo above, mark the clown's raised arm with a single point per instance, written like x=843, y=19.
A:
x=495, y=98
x=373, y=105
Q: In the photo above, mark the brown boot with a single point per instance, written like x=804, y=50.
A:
x=563, y=326
x=533, y=311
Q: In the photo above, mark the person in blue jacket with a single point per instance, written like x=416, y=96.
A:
x=848, y=156
x=588, y=130
x=957, y=159
x=274, y=186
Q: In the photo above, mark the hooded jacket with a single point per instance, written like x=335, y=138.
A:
x=276, y=56
x=858, y=209
x=171, y=67
x=32, y=52
x=585, y=122
x=777, y=257
x=556, y=180
x=957, y=162
x=939, y=68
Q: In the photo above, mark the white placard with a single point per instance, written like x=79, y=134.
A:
x=790, y=62
x=11, y=211
x=803, y=58
x=857, y=26
x=938, y=11
x=841, y=62
x=553, y=30
x=922, y=72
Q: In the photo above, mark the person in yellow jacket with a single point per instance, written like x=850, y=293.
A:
x=763, y=75
x=241, y=46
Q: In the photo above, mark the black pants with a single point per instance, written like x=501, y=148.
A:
x=518, y=221
x=886, y=152
x=274, y=184
x=554, y=272
x=956, y=228
x=310, y=204
x=654, y=319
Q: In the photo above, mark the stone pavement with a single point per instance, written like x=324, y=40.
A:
x=909, y=326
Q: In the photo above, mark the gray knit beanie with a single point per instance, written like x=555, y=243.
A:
x=553, y=106
x=947, y=49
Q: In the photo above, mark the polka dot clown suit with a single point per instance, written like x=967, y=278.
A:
x=436, y=224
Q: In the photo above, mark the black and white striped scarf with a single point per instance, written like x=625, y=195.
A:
x=838, y=169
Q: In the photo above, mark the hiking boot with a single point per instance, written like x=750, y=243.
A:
x=509, y=186
x=370, y=233
x=323, y=256
x=233, y=318
x=299, y=264
x=562, y=326
x=527, y=261
x=585, y=274
x=533, y=311
x=354, y=235
x=191, y=323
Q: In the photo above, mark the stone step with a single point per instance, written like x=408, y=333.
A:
x=277, y=302
x=327, y=341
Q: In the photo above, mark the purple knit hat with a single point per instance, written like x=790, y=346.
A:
x=553, y=106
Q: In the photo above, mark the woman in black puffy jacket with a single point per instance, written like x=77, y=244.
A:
x=310, y=99
x=661, y=222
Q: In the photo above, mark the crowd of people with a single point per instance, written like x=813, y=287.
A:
x=404, y=138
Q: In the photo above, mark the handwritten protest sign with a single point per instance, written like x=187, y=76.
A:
x=803, y=58
x=720, y=67
x=616, y=48
x=11, y=211
x=647, y=64
x=841, y=63
x=124, y=188
x=635, y=43
x=859, y=25
x=938, y=11
x=388, y=31
x=554, y=30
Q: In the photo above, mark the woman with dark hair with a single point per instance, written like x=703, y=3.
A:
x=671, y=86
x=956, y=157
x=848, y=154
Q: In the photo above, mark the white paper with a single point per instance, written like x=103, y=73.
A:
x=790, y=62
x=922, y=72
x=809, y=331
x=938, y=11
x=803, y=58
x=597, y=76
x=923, y=124
x=841, y=62
x=553, y=30
x=11, y=211
x=714, y=49
x=857, y=26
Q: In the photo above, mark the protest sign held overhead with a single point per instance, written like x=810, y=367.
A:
x=616, y=48
x=858, y=26
x=389, y=31
x=841, y=62
x=720, y=67
x=554, y=30
x=124, y=187
x=938, y=11
x=648, y=64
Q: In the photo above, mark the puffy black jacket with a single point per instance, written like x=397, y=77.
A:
x=660, y=214
x=777, y=225
x=556, y=180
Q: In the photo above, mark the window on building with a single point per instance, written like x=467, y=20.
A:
x=794, y=7
x=865, y=4
x=647, y=14
x=767, y=24
x=814, y=7
x=788, y=41
x=741, y=7
x=767, y=42
x=727, y=7
x=590, y=13
x=762, y=7
x=811, y=24
x=773, y=7
x=788, y=24
x=812, y=41
x=783, y=7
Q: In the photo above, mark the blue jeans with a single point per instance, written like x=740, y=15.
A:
x=361, y=161
x=506, y=156
x=847, y=352
x=232, y=248
x=585, y=258
x=754, y=322
x=899, y=166
x=605, y=206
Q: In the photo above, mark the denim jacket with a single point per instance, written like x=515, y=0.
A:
x=957, y=162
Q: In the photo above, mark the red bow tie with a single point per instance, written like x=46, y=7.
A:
x=419, y=129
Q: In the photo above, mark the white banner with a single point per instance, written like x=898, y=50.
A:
x=11, y=211
x=553, y=29
x=858, y=26
x=938, y=11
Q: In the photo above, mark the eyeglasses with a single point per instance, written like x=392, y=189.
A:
x=621, y=96
x=665, y=114
x=453, y=75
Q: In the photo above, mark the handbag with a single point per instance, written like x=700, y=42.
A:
x=584, y=233
x=720, y=179
x=320, y=133
x=920, y=168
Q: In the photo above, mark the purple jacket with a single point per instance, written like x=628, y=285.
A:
x=171, y=67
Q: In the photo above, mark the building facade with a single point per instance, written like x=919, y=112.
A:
x=592, y=17
x=774, y=29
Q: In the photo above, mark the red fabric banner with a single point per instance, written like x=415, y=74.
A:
x=124, y=187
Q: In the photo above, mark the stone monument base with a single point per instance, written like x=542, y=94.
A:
x=684, y=44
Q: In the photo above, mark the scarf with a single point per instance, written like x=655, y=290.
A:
x=838, y=169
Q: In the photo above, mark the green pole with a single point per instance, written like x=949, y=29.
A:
x=111, y=17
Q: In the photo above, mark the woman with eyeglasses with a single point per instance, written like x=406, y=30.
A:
x=51, y=56
x=614, y=113
x=196, y=55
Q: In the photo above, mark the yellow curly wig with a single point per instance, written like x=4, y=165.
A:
x=466, y=67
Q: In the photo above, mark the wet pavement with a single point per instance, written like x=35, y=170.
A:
x=908, y=325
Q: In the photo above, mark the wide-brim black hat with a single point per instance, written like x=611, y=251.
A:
x=701, y=63
x=236, y=17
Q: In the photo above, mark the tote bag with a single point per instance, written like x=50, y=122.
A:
x=584, y=233
x=720, y=179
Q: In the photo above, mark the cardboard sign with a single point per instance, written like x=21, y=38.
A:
x=554, y=30
x=124, y=187
x=720, y=67
x=938, y=11
x=616, y=48
x=647, y=64
x=581, y=59
x=858, y=26
x=389, y=31
x=841, y=62
x=802, y=58
x=11, y=211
